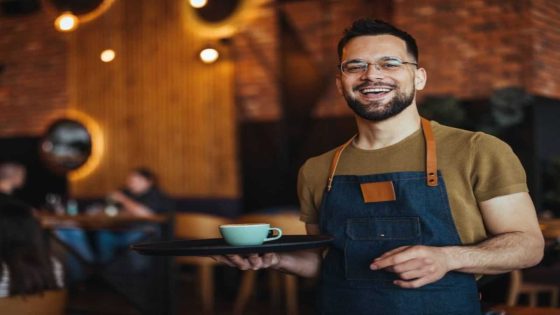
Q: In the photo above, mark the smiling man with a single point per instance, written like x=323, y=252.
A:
x=417, y=209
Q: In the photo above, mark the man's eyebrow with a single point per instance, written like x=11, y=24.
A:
x=355, y=60
x=390, y=58
x=381, y=58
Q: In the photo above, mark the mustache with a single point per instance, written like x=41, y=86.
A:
x=374, y=85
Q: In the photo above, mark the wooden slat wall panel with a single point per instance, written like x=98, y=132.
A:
x=156, y=103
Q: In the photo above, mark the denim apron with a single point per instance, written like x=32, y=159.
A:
x=407, y=208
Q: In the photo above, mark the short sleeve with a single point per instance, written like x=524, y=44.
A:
x=308, y=212
x=495, y=170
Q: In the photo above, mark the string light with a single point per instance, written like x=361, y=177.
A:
x=66, y=22
x=107, y=55
x=209, y=55
x=197, y=4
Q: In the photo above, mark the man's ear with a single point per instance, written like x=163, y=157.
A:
x=339, y=84
x=420, y=79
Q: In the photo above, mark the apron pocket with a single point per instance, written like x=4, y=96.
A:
x=369, y=238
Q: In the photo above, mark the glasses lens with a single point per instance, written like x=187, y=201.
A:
x=354, y=67
x=390, y=64
x=386, y=64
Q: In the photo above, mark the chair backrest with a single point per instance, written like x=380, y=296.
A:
x=198, y=225
x=190, y=225
x=515, y=280
x=48, y=303
x=289, y=222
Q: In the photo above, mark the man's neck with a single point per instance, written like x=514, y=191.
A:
x=380, y=134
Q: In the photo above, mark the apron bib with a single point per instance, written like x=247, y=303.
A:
x=372, y=214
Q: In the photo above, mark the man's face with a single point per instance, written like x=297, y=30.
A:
x=377, y=94
x=18, y=180
x=137, y=184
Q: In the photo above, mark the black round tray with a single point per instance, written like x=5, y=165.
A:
x=217, y=246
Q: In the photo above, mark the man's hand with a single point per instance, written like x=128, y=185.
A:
x=305, y=263
x=415, y=265
x=118, y=196
x=131, y=206
x=252, y=262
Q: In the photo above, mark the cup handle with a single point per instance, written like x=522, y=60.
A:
x=279, y=231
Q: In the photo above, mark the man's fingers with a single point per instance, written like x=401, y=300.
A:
x=408, y=265
x=417, y=273
x=414, y=283
x=269, y=259
x=223, y=260
x=408, y=253
x=239, y=262
x=251, y=262
x=393, y=251
x=391, y=260
x=256, y=261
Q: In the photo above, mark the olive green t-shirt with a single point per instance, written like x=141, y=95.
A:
x=475, y=167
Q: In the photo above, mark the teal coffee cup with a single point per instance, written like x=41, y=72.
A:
x=248, y=234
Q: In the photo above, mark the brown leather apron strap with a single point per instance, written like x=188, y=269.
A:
x=431, y=156
x=334, y=162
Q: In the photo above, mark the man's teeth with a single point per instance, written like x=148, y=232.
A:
x=376, y=90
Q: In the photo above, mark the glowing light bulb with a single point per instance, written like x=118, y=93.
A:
x=209, y=55
x=198, y=3
x=66, y=22
x=107, y=55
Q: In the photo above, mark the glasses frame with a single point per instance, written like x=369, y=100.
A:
x=375, y=64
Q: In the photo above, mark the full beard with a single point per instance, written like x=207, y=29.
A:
x=376, y=111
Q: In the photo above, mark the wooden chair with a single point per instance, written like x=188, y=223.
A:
x=290, y=224
x=518, y=286
x=48, y=303
x=200, y=226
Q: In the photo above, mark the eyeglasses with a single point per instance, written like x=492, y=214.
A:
x=385, y=65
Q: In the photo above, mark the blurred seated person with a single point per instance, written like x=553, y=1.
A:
x=12, y=177
x=26, y=265
x=140, y=197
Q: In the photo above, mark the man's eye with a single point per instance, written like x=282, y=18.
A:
x=355, y=67
x=390, y=65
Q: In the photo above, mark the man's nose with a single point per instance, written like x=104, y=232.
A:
x=373, y=71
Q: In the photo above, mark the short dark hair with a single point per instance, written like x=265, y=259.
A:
x=373, y=27
x=147, y=174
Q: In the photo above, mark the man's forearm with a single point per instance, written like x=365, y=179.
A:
x=302, y=263
x=499, y=254
x=136, y=208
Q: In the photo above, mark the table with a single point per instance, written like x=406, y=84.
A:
x=162, y=297
x=525, y=310
x=98, y=221
x=550, y=228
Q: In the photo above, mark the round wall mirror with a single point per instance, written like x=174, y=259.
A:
x=216, y=11
x=85, y=10
x=220, y=18
x=78, y=7
x=66, y=146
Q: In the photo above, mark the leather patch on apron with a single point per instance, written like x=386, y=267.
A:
x=378, y=191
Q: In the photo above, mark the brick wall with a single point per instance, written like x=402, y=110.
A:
x=469, y=48
x=33, y=80
x=255, y=49
x=545, y=53
x=319, y=25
